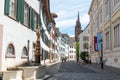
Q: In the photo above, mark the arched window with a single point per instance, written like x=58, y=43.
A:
x=10, y=51
x=24, y=52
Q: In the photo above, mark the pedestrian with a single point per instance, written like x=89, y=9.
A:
x=90, y=62
x=77, y=59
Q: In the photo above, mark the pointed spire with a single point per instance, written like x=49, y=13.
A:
x=78, y=21
x=78, y=16
x=77, y=28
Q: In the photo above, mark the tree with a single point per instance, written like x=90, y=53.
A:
x=77, y=51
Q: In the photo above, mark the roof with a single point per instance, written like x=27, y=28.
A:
x=65, y=35
x=54, y=15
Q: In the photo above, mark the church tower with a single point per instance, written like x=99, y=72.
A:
x=77, y=29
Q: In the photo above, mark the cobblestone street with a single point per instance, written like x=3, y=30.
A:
x=71, y=70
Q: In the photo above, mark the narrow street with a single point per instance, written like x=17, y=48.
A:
x=71, y=70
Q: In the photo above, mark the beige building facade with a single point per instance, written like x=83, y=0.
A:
x=105, y=18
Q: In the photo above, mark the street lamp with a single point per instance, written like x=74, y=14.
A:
x=100, y=47
x=101, y=58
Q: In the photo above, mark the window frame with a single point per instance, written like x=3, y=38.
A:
x=100, y=17
x=107, y=34
x=26, y=6
x=85, y=46
x=10, y=55
x=107, y=9
x=116, y=35
x=35, y=21
x=23, y=54
x=15, y=10
x=116, y=2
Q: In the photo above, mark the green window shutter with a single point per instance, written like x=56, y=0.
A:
x=31, y=17
x=7, y=5
x=18, y=10
x=39, y=21
x=33, y=22
x=22, y=11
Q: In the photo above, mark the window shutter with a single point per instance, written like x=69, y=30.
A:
x=39, y=21
x=22, y=11
x=33, y=22
x=31, y=17
x=7, y=5
x=18, y=10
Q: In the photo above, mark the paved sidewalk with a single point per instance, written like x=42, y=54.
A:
x=106, y=69
x=52, y=63
x=54, y=70
x=76, y=71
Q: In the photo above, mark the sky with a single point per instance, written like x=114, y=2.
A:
x=67, y=11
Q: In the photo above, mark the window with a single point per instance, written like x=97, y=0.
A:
x=116, y=2
x=45, y=19
x=26, y=14
x=74, y=51
x=35, y=20
x=100, y=17
x=107, y=8
x=12, y=8
x=117, y=35
x=107, y=40
x=85, y=46
x=15, y=9
x=97, y=21
x=10, y=51
x=24, y=52
x=85, y=38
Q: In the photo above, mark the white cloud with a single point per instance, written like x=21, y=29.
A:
x=65, y=23
x=72, y=35
x=67, y=13
x=84, y=19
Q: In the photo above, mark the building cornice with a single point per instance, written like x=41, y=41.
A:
x=91, y=6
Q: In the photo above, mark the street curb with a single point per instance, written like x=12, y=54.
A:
x=49, y=64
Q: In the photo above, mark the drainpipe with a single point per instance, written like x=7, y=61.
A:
x=110, y=26
x=28, y=43
x=110, y=29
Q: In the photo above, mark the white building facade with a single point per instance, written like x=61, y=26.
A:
x=84, y=40
x=18, y=24
x=72, y=48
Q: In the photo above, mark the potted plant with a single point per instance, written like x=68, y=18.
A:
x=84, y=55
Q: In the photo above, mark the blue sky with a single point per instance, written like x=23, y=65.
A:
x=67, y=11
